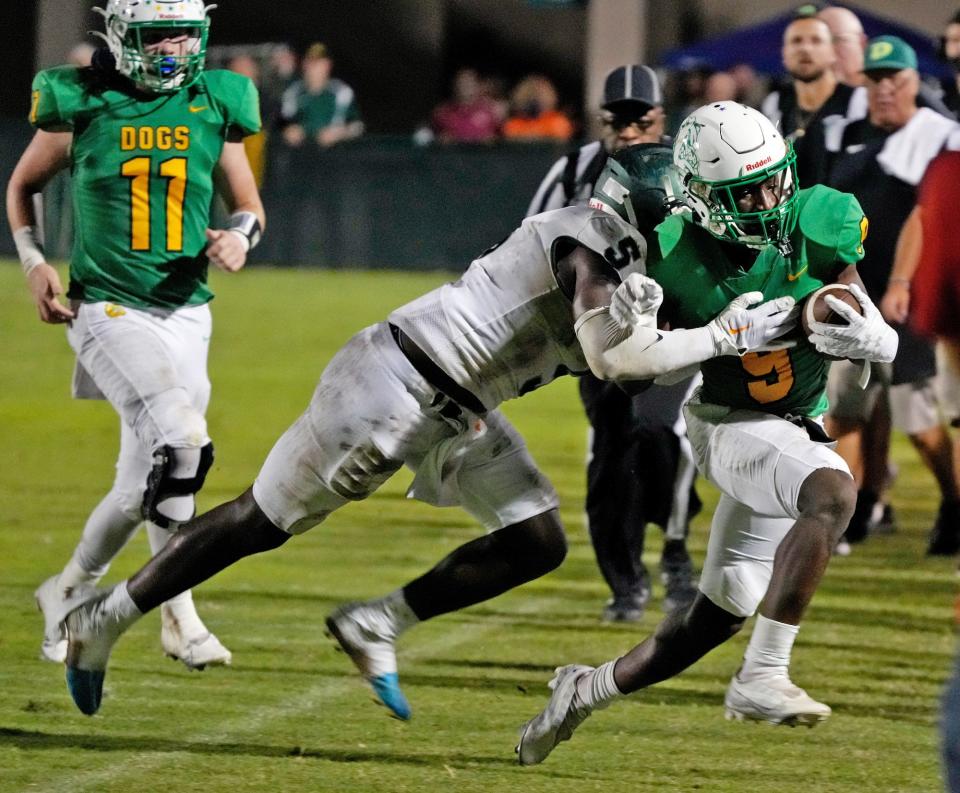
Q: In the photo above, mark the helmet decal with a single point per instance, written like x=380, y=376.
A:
x=686, y=146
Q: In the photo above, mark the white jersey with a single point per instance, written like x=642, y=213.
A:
x=506, y=328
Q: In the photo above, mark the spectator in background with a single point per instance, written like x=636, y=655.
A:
x=686, y=92
x=881, y=160
x=720, y=87
x=254, y=145
x=950, y=52
x=534, y=114
x=640, y=466
x=469, y=116
x=751, y=89
x=278, y=74
x=494, y=88
x=318, y=107
x=848, y=43
x=813, y=94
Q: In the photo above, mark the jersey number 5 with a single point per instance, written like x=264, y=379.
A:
x=137, y=170
x=772, y=375
x=627, y=251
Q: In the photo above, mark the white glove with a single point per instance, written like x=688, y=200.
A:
x=635, y=302
x=739, y=329
x=866, y=337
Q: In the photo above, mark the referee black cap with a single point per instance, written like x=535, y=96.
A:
x=636, y=83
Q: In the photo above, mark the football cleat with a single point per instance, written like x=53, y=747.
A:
x=626, y=609
x=556, y=722
x=774, y=699
x=197, y=648
x=55, y=603
x=91, y=634
x=359, y=631
x=945, y=535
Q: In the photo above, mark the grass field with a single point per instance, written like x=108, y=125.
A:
x=291, y=715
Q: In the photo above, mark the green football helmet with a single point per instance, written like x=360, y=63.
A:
x=639, y=184
x=134, y=26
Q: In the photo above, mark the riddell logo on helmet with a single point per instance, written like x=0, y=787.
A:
x=759, y=164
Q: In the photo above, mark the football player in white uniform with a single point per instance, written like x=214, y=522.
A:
x=421, y=389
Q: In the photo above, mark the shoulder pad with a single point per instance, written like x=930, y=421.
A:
x=833, y=222
x=57, y=94
x=237, y=97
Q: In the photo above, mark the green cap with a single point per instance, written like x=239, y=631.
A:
x=888, y=52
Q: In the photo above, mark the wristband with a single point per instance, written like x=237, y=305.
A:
x=29, y=248
x=904, y=282
x=248, y=225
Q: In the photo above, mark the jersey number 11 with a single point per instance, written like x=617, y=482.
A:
x=137, y=170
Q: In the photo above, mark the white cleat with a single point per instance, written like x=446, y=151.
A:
x=555, y=723
x=91, y=634
x=362, y=633
x=55, y=603
x=773, y=699
x=197, y=648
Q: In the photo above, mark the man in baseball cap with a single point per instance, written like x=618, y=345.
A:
x=889, y=52
x=638, y=472
x=632, y=108
x=892, y=80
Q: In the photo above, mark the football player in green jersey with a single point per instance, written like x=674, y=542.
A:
x=147, y=135
x=754, y=425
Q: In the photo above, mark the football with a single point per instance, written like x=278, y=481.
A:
x=816, y=309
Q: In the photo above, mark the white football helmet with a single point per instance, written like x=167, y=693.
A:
x=725, y=153
x=134, y=25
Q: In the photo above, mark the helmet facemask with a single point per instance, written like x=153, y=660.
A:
x=133, y=43
x=730, y=205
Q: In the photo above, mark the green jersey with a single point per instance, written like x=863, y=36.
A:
x=699, y=280
x=142, y=178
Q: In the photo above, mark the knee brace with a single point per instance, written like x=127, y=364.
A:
x=177, y=474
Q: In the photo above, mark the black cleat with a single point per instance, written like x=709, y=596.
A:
x=945, y=534
x=859, y=527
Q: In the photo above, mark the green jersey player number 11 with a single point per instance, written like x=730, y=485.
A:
x=147, y=134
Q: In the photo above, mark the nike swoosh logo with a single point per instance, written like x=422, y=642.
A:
x=197, y=109
x=795, y=276
x=735, y=331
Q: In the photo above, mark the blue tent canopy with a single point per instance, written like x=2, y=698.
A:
x=759, y=45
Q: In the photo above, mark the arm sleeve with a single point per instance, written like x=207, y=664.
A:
x=641, y=353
